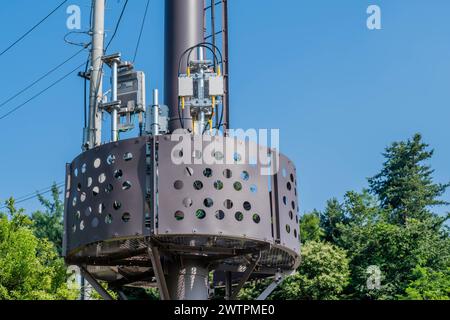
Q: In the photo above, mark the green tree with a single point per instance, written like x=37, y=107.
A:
x=396, y=250
x=405, y=184
x=330, y=219
x=48, y=224
x=428, y=285
x=322, y=275
x=252, y=290
x=395, y=228
x=310, y=229
x=30, y=268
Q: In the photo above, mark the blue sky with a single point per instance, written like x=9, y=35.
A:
x=339, y=92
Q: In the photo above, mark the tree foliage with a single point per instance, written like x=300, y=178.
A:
x=330, y=219
x=428, y=285
x=48, y=224
x=323, y=274
x=30, y=268
x=405, y=184
x=391, y=225
x=310, y=229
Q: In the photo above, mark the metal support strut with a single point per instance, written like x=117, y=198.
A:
x=266, y=293
x=159, y=272
x=94, y=283
x=248, y=272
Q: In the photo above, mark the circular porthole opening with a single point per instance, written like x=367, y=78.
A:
x=208, y=202
x=187, y=202
x=208, y=172
x=117, y=205
x=200, y=214
x=179, y=215
x=239, y=216
x=178, y=185
x=288, y=228
x=126, y=217
x=227, y=173
x=108, y=219
x=220, y=215
x=218, y=185
x=237, y=186
x=245, y=176
x=228, y=204
x=198, y=185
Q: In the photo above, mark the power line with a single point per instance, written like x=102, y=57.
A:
x=31, y=30
x=141, y=31
x=41, y=92
x=41, y=78
x=41, y=191
x=117, y=24
x=34, y=195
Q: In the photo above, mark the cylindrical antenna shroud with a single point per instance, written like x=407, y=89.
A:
x=184, y=28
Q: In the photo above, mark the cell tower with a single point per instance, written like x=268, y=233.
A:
x=183, y=206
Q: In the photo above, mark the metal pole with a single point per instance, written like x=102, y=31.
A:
x=159, y=272
x=114, y=130
x=226, y=97
x=183, y=29
x=228, y=285
x=213, y=28
x=213, y=33
x=96, y=81
x=155, y=125
x=188, y=281
x=82, y=288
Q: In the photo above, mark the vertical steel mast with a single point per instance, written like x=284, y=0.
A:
x=184, y=26
x=226, y=98
x=94, y=134
x=183, y=29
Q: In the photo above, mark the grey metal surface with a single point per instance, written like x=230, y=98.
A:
x=226, y=62
x=96, y=82
x=242, y=214
x=131, y=89
x=106, y=194
x=285, y=202
x=183, y=29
